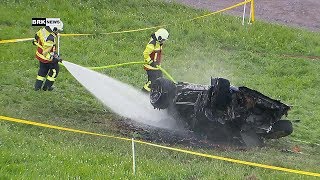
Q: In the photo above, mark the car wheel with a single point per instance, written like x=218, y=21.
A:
x=162, y=93
x=280, y=129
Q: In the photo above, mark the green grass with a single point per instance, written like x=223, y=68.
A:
x=253, y=56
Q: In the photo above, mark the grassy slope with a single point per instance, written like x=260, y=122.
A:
x=215, y=46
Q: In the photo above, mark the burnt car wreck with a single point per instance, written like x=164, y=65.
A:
x=222, y=111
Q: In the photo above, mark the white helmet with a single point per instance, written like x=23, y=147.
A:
x=57, y=27
x=161, y=34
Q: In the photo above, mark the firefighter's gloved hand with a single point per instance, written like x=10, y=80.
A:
x=34, y=42
x=56, y=58
x=153, y=64
x=150, y=61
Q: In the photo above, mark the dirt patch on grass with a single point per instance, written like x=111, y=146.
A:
x=184, y=137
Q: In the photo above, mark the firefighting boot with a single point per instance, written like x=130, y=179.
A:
x=48, y=85
x=146, y=88
x=37, y=85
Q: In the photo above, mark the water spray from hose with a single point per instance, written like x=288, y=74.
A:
x=119, y=97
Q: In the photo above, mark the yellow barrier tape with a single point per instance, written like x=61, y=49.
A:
x=166, y=147
x=134, y=30
x=222, y=10
x=141, y=29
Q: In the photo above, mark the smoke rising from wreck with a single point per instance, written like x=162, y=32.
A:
x=121, y=98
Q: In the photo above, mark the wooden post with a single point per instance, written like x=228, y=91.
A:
x=252, y=11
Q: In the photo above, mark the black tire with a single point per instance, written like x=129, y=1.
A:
x=162, y=93
x=280, y=129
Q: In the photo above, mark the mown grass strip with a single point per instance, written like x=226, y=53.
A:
x=165, y=147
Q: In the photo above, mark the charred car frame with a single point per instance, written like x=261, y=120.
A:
x=220, y=110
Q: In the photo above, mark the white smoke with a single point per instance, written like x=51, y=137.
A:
x=121, y=98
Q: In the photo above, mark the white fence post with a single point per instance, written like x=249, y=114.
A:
x=244, y=12
x=133, y=158
x=58, y=49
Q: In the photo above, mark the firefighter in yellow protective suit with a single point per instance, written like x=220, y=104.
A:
x=152, y=56
x=45, y=40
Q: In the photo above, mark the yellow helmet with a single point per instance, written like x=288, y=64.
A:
x=161, y=34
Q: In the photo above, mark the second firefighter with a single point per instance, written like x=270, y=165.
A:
x=152, y=57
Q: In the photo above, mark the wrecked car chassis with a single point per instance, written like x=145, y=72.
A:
x=221, y=111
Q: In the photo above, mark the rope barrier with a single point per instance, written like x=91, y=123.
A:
x=160, y=68
x=135, y=30
x=164, y=147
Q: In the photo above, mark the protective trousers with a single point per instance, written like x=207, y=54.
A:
x=48, y=72
x=152, y=76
